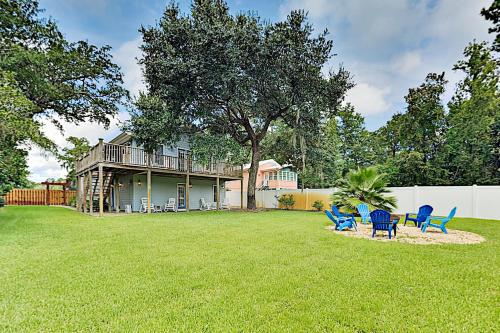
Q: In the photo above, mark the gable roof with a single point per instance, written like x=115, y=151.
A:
x=121, y=138
x=265, y=165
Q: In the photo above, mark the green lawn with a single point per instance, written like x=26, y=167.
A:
x=236, y=272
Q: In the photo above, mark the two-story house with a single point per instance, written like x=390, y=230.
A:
x=121, y=175
x=270, y=175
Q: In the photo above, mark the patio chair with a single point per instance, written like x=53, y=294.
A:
x=339, y=223
x=144, y=206
x=170, y=205
x=204, y=205
x=340, y=215
x=364, y=211
x=225, y=205
x=381, y=220
x=420, y=217
x=442, y=224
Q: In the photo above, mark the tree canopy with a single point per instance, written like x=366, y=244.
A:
x=214, y=73
x=44, y=77
x=69, y=155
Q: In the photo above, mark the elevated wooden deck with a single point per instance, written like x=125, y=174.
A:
x=125, y=157
x=96, y=172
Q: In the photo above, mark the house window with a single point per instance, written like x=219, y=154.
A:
x=287, y=175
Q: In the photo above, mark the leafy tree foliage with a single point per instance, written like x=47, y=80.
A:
x=45, y=77
x=343, y=144
x=316, y=157
x=424, y=119
x=493, y=14
x=79, y=147
x=16, y=128
x=218, y=74
x=472, y=152
x=410, y=142
x=356, y=147
x=13, y=167
x=207, y=148
x=67, y=81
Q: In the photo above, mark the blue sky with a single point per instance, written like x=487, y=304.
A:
x=387, y=45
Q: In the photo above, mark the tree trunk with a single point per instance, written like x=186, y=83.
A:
x=252, y=175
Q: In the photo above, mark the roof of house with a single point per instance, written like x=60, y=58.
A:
x=267, y=165
x=121, y=138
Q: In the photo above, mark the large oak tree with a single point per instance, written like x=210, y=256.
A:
x=233, y=76
x=44, y=77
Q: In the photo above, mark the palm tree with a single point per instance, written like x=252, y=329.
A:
x=365, y=185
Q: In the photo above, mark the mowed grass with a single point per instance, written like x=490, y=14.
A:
x=236, y=272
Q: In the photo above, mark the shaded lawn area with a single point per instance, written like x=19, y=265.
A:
x=235, y=271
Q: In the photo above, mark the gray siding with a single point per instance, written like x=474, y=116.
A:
x=126, y=191
x=163, y=188
x=170, y=150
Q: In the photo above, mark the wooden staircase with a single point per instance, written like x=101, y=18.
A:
x=94, y=191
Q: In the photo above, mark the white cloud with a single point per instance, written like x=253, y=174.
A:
x=43, y=165
x=408, y=62
x=368, y=99
x=126, y=57
x=395, y=43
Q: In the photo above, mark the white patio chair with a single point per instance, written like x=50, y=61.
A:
x=225, y=205
x=144, y=206
x=204, y=205
x=170, y=205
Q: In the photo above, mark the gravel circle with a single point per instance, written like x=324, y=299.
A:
x=413, y=235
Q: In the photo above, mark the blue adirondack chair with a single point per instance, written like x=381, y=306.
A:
x=423, y=213
x=340, y=224
x=443, y=220
x=340, y=215
x=364, y=211
x=381, y=220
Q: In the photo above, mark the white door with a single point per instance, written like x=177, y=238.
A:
x=181, y=196
x=183, y=159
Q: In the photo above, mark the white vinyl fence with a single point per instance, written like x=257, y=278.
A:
x=471, y=201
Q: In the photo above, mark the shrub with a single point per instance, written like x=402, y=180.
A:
x=2, y=202
x=72, y=202
x=286, y=201
x=364, y=185
x=318, y=204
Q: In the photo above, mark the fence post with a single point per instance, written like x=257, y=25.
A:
x=47, y=195
x=415, y=198
x=474, y=201
x=307, y=199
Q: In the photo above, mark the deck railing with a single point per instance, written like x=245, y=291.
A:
x=127, y=155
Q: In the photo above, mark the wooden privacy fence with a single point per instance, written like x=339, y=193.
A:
x=38, y=197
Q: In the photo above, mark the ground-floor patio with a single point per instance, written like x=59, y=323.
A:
x=116, y=188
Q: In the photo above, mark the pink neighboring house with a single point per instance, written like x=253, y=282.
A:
x=271, y=175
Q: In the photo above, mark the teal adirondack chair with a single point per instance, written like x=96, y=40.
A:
x=341, y=224
x=443, y=220
x=364, y=211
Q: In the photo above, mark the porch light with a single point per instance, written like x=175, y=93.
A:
x=139, y=182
